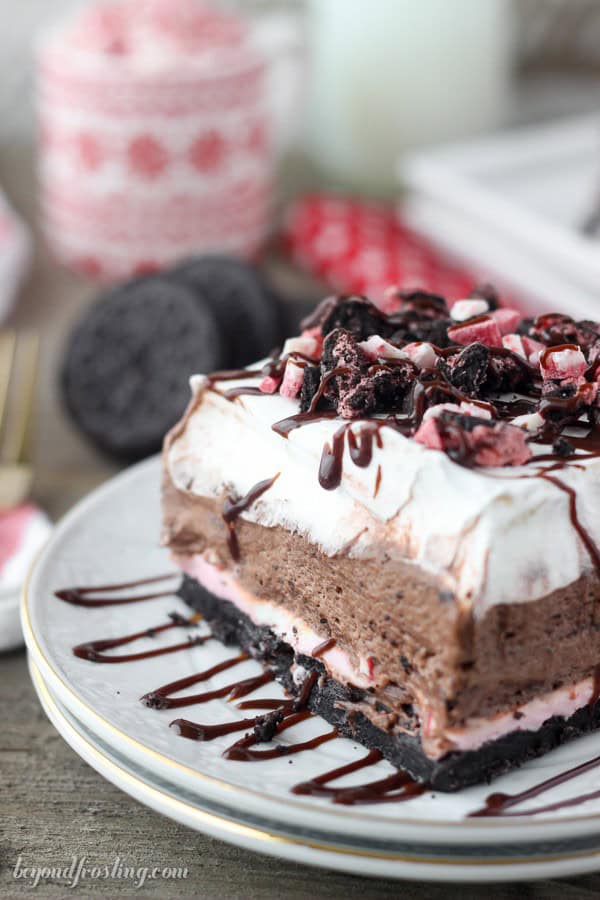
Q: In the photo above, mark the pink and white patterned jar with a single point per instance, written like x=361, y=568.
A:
x=154, y=137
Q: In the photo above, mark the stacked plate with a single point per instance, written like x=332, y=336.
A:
x=112, y=538
x=513, y=206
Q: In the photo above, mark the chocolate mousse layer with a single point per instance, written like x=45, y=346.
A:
x=433, y=666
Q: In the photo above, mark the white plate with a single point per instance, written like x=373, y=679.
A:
x=113, y=537
x=256, y=833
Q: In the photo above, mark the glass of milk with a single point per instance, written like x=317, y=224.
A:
x=389, y=75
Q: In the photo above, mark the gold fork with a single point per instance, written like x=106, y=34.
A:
x=19, y=355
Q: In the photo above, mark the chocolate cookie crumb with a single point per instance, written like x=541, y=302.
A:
x=265, y=727
x=562, y=447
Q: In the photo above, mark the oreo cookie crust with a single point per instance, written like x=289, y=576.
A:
x=127, y=364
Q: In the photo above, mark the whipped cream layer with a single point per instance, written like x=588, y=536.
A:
x=490, y=536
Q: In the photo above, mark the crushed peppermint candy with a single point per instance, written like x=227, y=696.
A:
x=464, y=408
x=563, y=363
x=376, y=347
x=506, y=319
x=292, y=380
x=468, y=309
x=422, y=354
x=484, y=329
x=477, y=441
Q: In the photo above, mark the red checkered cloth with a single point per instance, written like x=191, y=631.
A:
x=363, y=248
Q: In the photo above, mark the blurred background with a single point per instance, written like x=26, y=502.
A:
x=330, y=145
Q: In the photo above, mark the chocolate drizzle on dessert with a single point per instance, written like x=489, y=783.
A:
x=583, y=533
x=285, y=426
x=556, y=348
x=241, y=391
x=235, y=375
x=360, y=449
x=360, y=446
x=232, y=375
x=232, y=509
x=377, y=482
x=330, y=467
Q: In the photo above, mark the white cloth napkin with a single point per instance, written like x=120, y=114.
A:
x=15, y=255
x=23, y=532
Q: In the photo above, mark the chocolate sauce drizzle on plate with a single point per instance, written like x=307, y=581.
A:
x=393, y=788
x=499, y=804
x=84, y=596
x=94, y=650
x=289, y=711
x=161, y=699
x=286, y=712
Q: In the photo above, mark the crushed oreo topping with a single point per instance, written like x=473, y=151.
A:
x=553, y=329
x=562, y=446
x=467, y=370
x=487, y=292
x=480, y=387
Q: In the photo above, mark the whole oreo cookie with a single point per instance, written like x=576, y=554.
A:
x=128, y=361
x=245, y=307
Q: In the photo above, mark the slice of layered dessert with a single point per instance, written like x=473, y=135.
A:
x=406, y=502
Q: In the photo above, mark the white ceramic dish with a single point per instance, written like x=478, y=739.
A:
x=112, y=537
x=512, y=207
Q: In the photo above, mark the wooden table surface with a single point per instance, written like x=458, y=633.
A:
x=54, y=806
